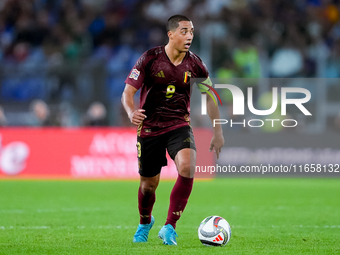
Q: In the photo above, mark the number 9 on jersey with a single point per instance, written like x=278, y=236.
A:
x=170, y=90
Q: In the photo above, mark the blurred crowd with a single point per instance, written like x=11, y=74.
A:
x=250, y=38
x=291, y=32
x=41, y=114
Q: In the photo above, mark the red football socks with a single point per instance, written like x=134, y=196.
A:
x=178, y=199
x=145, y=205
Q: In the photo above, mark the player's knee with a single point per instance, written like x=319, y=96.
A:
x=185, y=170
x=148, y=189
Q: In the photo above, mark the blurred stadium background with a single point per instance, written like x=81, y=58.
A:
x=72, y=53
x=63, y=64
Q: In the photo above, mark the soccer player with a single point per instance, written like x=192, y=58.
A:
x=163, y=75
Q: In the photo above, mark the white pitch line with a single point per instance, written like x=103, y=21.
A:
x=157, y=227
x=42, y=210
x=12, y=211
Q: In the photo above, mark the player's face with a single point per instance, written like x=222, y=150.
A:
x=183, y=35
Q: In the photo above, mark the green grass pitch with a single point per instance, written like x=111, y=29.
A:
x=267, y=216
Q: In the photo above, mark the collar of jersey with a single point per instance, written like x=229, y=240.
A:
x=185, y=57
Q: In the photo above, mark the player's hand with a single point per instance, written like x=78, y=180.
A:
x=217, y=143
x=137, y=117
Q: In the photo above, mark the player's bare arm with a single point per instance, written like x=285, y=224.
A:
x=217, y=140
x=136, y=116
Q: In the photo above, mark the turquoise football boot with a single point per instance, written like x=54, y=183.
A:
x=142, y=233
x=168, y=235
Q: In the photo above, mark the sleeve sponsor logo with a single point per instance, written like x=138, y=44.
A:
x=134, y=74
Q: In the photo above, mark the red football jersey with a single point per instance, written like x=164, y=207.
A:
x=165, y=89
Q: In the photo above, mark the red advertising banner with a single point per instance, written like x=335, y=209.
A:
x=81, y=153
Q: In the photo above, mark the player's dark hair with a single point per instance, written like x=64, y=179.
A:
x=173, y=22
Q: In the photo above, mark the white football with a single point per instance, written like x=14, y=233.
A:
x=214, y=231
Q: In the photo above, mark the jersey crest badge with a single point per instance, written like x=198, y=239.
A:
x=134, y=74
x=187, y=75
